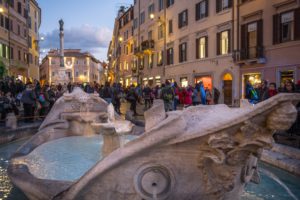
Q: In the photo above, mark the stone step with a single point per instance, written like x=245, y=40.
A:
x=282, y=161
x=286, y=150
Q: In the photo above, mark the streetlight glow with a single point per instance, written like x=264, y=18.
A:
x=152, y=16
x=1, y=10
x=120, y=39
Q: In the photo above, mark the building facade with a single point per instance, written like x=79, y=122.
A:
x=79, y=67
x=269, y=38
x=121, y=48
x=34, y=23
x=223, y=43
x=15, y=37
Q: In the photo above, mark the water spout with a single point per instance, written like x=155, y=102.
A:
x=277, y=180
x=154, y=192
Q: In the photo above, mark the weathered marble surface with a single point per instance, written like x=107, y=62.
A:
x=203, y=152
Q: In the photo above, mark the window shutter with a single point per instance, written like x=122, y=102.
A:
x=206, y=8
x=260, y=42
x=276, y=29
x=168, y=56
x=229, y=41
x=244, y=41
x=179, y=21
x=260, y=33
x=218, y=6
x=297, y=24
x=180, y=53
x=218, y=43
x=197, y=11
x=229, y=3
x=206, y=46
x=187, y=17
x=197, y=48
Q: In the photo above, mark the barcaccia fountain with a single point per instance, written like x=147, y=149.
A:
x=203, y=152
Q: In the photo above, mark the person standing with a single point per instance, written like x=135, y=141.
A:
x=263, y=91
x=176, y=98
x=147, y=92
x=272, y=90
x=197, y=95
x=132, y=97
x=216, y=95
x=106, y=93
x=44, y=101
x=289, y=87
x=203, y=93
x=167, y=95
x=29, y=99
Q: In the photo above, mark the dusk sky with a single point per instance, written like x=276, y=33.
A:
x=88, y=24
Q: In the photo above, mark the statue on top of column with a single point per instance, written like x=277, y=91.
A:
x=61, y=25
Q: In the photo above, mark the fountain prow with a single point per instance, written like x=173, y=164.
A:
x=203, y=152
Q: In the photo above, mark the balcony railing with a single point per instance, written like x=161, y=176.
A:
x=249, y=53
x=147, y=45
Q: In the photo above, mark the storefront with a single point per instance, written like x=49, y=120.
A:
x=157, y=80
x=151, y=81
x=286, y=75
x=206, y=80
x=253, y=78
x=184, y=82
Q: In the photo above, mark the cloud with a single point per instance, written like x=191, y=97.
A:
x=88, y=38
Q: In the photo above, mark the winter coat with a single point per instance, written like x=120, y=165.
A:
x=28, y=97
x=187, y=94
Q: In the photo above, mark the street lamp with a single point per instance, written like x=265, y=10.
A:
x=152, y=16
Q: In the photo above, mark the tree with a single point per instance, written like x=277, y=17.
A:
x=3, y=70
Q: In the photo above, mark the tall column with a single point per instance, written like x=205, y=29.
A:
x=61, y=36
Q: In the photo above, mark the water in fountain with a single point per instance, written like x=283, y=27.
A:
x=267, y=189
x=275, y=184
x=277, y=180
x=53, y=160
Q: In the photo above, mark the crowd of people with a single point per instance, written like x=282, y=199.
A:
x=264, y=90
x=36, y=100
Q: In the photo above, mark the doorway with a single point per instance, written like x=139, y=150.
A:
x=227, y=88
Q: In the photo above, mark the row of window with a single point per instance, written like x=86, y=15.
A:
x=22, y=11
x=77, y=62
x=286, y=27
x=77, y=74
x=6, y=52
x=8, y=24
x=201, y=11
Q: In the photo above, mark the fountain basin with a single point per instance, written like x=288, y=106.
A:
x=203, y=152
x=65, y=159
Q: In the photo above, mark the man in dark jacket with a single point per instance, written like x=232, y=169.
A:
x=29, y=99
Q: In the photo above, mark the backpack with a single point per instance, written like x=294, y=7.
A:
x=167, y=94
x=42, y=98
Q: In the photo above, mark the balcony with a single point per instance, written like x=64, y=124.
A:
x=250, y=55
x=147, y=45
x=279, y=3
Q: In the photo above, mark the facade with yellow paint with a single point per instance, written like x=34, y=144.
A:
x=79, y=67
x=34, y=22
x=16, y=48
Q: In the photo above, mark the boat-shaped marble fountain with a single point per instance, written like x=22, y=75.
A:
x=199, y=153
